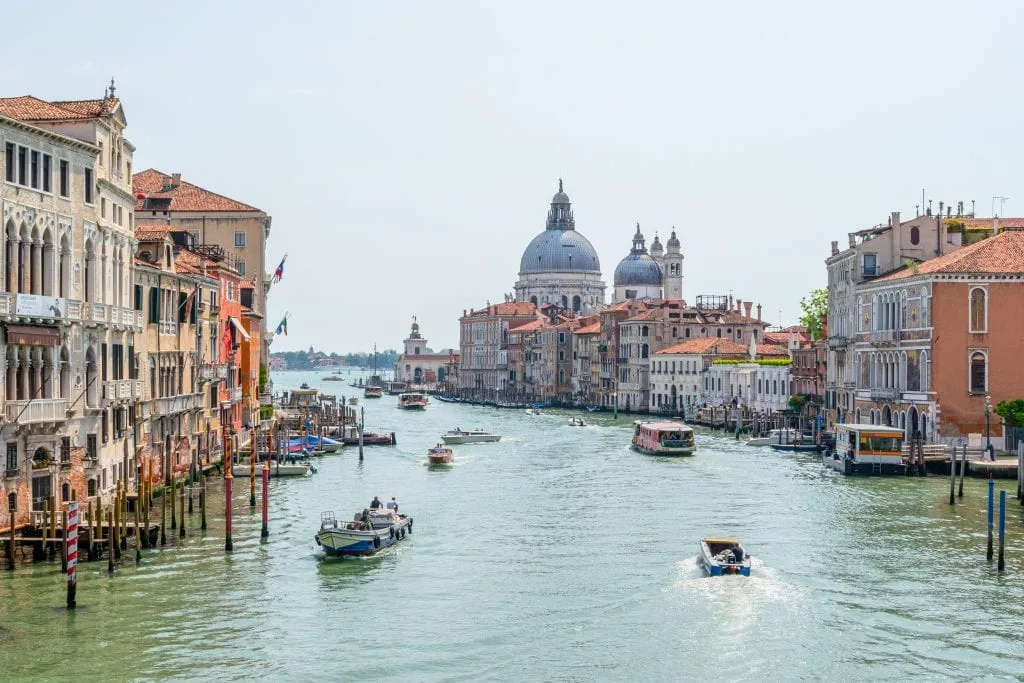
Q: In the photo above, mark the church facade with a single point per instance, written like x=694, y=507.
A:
x=419, y=365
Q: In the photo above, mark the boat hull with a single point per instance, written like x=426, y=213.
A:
x=715, y=567
x=760, y=441
x=798, y=448
x=342, y=542
x=446, y=459
x=867, y=469
x=455, y=440
x=283, y=470
x=681, y=451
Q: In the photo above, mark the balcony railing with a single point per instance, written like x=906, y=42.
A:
x=38, y=410
x=170, y=405
x=883, y=336
x=838, y=342
x=73, y=309
x=99, y=313
x=168, y=328
x=884, y=394
x=138, y=318
x=5, y=303
x=235, y=394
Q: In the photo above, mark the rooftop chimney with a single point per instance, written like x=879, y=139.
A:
x=853, y=239
x=747, y=305
x=175, y=179
x=894, y=219
x=759, y=313
x=739, y=306
x=835, y=247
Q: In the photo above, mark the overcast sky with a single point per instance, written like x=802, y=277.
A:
x=408, y=151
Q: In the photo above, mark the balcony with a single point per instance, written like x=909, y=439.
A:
x=883, y=337
x=168, y=328
x=884, y=394
x=126, y=389
x=73, y=309
x=839, y=342
x=38, y=410
x=170, y=405
x=222, y=371
x=138, y=318
x=5, y=303
x=235, y=395
x=98, y=313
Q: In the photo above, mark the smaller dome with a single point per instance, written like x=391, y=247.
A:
x=560, y=197
x=673, y=241
x=656, y=247
x=638, y=269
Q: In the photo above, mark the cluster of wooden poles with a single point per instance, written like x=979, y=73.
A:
x=958, y=492
x=111, y=531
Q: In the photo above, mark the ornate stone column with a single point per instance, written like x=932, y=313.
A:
x=36, y=278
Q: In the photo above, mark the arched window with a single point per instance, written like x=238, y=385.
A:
x=533, y=300
x=915, y=235
x=643, y=350
x=576, y=304
x=686, y=333
x=565, y=301
x=90, y=488
x=979, y=317
x=979, y=372
x=675, y=331
x=643, y=331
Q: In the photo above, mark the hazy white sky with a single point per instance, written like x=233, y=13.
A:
x=408, y=151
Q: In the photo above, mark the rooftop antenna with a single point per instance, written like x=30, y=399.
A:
x=1002, y=200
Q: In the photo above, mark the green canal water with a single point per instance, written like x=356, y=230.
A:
x=556, y=554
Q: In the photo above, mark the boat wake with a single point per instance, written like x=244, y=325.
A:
x=764, y=583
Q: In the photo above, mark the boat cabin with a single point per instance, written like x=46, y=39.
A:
x=663, y=438
x=302, y=398
x=867, y=449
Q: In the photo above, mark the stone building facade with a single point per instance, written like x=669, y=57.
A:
x=483, y=347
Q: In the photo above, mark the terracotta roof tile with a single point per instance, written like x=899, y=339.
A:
x=1007, y=222
x=1000, y=254
x=150, y=233
x=771, y=350
x=710, y=345
x=29, y=108
x=185, y=197
x=528, y=327
x=515, y=308
x=593, y=328
x=90, y=108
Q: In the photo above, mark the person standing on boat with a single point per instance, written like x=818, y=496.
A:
x=375, y=503
x=392, y=505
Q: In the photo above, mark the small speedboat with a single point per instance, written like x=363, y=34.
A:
x=759, y=441
x=533, y=411
x=577, y=422
x=458, y=436
x=277, y=469
x=370, y=439
x=724, y=556
x=369, y=532
x=439, y=455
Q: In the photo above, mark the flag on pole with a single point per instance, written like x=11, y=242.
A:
x=283, y=326
x=279, y=273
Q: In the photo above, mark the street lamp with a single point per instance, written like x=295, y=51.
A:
x=988, y=416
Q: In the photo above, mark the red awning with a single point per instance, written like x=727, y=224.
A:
x=33, y=335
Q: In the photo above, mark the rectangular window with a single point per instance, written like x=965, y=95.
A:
x=12, y=456
x=154, y=305
x=9, y=165
x=22, y=165
x=103, y=207
x=133, y=364
x=33, y=167
x=239, y=238
x=89, y=189
x=65, y=179
x=65, y=449
x=138, y=297
x=103, y=362
x=240, y=266
x=91, y=452
x=47, y=173
x=870, y=265
x=106, y=426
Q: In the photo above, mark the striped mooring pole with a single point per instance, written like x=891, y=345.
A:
x=72, y=533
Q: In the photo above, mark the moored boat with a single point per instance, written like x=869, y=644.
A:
x=458, y=436
x=368, y=533
x=277, y=469
x=793, y=441
x=724, y=556
x=412, y=400
x=867, y=449
x=759, y=441
x=440, y=455
x=663, y=438
x=351, y=438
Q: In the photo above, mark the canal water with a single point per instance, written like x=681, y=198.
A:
x=556, y=554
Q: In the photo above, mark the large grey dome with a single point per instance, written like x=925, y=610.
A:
x=638, y=268
x=559, y=251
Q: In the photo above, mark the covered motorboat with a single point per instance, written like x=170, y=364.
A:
x=458, y=436
x=368, y=533
x=440, y=455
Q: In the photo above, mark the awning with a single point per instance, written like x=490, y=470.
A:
x=239, y=329
x=33, y=335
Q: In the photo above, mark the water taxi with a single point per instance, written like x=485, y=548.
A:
x=412, y=400
x=368, y=533
x=439, y=455
x=663, y=438
x=867, y=449
x=724, y=556
x=457, y=436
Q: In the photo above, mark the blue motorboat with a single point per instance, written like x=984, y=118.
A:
x=312, y=442
x=367, y=534
x=724, y=556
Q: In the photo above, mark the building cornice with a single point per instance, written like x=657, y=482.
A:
x=43, y=132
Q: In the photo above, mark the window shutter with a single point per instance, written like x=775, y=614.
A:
x=182, y=298
x=154, y=305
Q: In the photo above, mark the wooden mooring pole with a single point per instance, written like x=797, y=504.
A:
x=991, y=496
x=952, y=476
x=1000, y=563
x=963, y=471
x=72, y=536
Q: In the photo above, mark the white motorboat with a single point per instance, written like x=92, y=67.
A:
x=759, y=441
x=533, y=411
x=577, y=422
x=369, y=532
x=277, y=469
x=454, y=437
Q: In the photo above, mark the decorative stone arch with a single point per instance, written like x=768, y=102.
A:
x=886, y=416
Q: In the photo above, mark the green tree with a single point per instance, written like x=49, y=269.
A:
x=1012, y=412
x=814, y=307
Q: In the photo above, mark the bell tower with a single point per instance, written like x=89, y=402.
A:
x=672, y=267
x=415, y=344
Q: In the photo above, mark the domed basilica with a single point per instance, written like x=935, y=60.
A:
x=654, y=275
x=560, y=266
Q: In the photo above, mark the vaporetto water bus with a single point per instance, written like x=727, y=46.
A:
x=867, y=449
x=663, y=438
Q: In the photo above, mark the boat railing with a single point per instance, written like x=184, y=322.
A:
x=328, y=519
